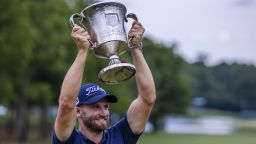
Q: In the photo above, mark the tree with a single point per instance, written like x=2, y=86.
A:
x=239, y=81
x=229, y=87
x=35, y=53
x=16, y=54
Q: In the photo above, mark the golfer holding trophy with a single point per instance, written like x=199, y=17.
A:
x=103, y=31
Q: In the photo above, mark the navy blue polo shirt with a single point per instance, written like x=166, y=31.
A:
x=120, y=133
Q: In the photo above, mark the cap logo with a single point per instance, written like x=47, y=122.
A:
x=93, y=89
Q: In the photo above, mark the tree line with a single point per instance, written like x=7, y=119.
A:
x=229, y=87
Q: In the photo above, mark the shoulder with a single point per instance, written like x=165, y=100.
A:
x=123, y=131
x=73, y=139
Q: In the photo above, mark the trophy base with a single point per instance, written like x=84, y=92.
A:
x=116, y=73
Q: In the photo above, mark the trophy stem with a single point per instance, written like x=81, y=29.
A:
x=117, y=71
x=114, y=59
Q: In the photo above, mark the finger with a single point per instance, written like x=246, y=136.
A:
x=136, y=22
x=134, y=33
x=137, y=30
x=85, y=37
x=85, y=33
x=135, y=41
x=137, y=35
x=131, y=34
x=132, y=30
x=76, y=27
x=81, y=33
x=136, y=38
x=136, y=26
x=81, y=30
x=88, y=37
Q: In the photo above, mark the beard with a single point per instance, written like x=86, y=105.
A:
x=96, y=123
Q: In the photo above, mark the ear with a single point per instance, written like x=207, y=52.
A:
x=78, y=113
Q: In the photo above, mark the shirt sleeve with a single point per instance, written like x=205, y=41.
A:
x=128, y=136
x=70, y=140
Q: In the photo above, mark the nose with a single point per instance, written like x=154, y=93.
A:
x=104, y=111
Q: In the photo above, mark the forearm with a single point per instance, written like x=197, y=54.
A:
x=139, y=111
x=72, y=81
x=144, y=78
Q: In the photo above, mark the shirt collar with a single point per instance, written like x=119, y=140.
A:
x=104, y=138
x=102, y=141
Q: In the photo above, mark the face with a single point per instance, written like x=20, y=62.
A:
x=95, y=117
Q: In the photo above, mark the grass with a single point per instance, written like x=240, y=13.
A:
x=245, y=134
x=163, y=138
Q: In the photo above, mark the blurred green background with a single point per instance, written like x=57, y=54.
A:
x=196, y=103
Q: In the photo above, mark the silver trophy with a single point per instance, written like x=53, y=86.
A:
x=105, y=23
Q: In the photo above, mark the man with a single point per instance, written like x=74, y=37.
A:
x=89, y=103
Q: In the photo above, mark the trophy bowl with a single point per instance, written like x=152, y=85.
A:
x=105, y=22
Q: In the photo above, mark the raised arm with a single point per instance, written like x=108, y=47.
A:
x=66, y=116
x=139, y=111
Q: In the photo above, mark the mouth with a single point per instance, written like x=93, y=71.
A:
x=102, y=119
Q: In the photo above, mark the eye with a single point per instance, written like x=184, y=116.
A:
x=96, y=106
x=106, y=107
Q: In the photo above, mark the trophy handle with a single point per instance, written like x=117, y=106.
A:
x=131, y=15
x=81, y=18
x=134, y=17
x=75, y=16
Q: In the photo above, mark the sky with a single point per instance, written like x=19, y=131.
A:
x=223, y=30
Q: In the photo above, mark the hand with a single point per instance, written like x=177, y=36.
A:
x=136, y=32
x=81, y=37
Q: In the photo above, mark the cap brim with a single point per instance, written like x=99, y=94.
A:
x=110, y=98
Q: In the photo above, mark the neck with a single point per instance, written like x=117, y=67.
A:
x=91, y=135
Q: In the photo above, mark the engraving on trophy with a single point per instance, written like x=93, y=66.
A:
x=112, y=33
x=112, y=19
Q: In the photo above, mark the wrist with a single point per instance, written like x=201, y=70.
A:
x=135, y=46
x=82, y=51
